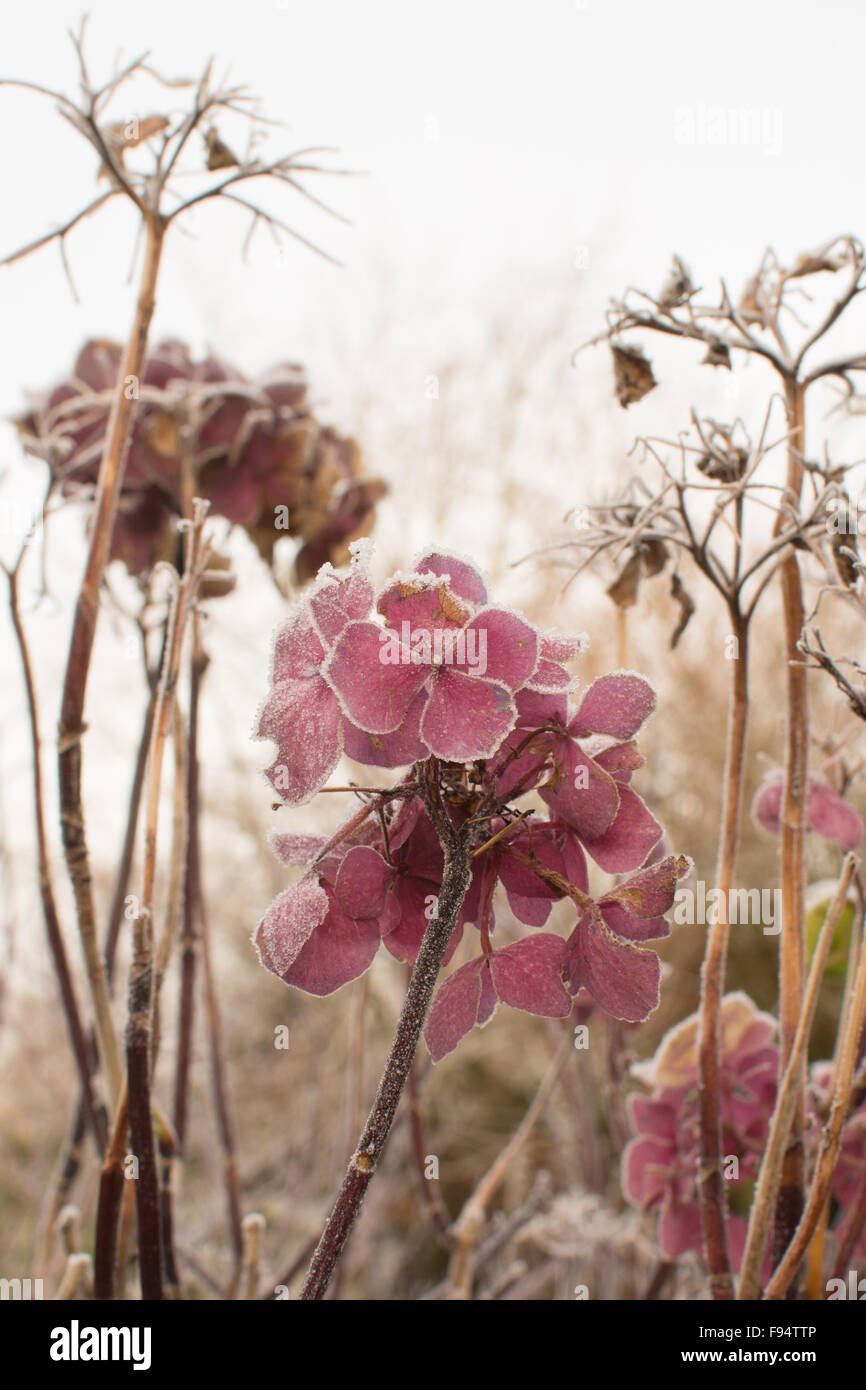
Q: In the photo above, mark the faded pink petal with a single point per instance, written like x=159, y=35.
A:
x=375, y=695
x=581, y=792
x=629, y=840
x=462, y=576
x=423, y=602
x=467, y=717
x=650, y=892
x=623, y=980
x=298, y=649
x=338, y=951
x=557, y=646
x=454, y=1010
x=646, y=1166
x=617, y=704
x=303, y=719
x=831, y=816
x=289, y=923
x=767, y=803
x=295, y=850
x=397, y=749
x=679, y=1227
x=362, y=882
x=620, y=760
x=528, y=975
x=511, y=646
x=335, y=601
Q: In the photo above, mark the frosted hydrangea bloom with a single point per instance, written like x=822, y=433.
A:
x=499, y=728
x=444, y=652
x=258, y=447
x=659, y=1165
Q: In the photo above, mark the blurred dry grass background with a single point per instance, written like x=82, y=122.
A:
x=485, y=452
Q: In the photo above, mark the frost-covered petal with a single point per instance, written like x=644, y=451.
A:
x=535, y=708
x=303, y=719
x=528, y=975
x=508, y=643
x=338, y=951
x=423, y=601
x=616, y=704
x=549, y=677
x=295, y=850
x=626, y=844
x=623, y=980
x=362, y=882
x=632, y=928
x=466, y=717
x=288, y=924
x=298, y=649
x=464, y=579
x=560, y=646
x=335, y=601
x=375, y=694
x=581, y=792
x=454, y=1010
x=650, y=892
x=397, y=749
x=620, y=760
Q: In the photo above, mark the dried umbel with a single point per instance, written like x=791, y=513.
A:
x=254, y=449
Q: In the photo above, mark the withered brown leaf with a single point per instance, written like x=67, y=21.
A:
x=632, y=374
x=686, y=604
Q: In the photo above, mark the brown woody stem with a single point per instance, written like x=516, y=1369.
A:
x=425, y=972
x=792, y=945
x=711, y=1185
x=71, y=727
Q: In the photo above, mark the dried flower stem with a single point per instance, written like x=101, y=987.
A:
x=772, y=1165
x=95, y=1112
x=109, y=1204
x=792, y=944
x=711, y=1185
x=142, y=967
x=71, y=728
x=425, y=972
x=191, y=895
x=225, y=1126
x=831, y=1138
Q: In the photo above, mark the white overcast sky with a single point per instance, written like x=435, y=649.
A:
x=493, y=133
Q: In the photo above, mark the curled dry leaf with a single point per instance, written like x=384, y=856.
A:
x=809, y=263
x=219, y=156
x=632, y=374
x=686, y=604
x=646, y=559
x=678, y=286
x=718, y=354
